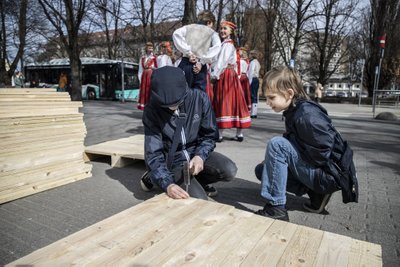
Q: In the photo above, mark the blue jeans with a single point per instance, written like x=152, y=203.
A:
x=284, y=170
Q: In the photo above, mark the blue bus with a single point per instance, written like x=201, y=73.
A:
x=101, y=78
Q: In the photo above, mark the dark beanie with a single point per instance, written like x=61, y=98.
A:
x=168, y=86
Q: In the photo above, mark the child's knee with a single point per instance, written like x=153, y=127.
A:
x=275, y=143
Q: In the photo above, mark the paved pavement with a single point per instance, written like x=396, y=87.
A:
x=30, y=223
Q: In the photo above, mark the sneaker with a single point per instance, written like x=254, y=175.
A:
x=145, y=182
x=274, y=213
x=317, y=203
x=211, y=191
x=220, y=139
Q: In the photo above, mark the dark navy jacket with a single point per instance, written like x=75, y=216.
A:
x=160, y=123
x=310, y=130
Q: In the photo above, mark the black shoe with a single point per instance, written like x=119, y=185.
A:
x=220, y=139
x=274, y=212
x=253, y=116
x=317, y=203
x=211, y=191
x=145, y=182
x=238, y=138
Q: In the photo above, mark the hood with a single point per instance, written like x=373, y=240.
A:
x=168, y=86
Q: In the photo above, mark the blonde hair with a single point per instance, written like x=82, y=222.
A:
x=280, y=79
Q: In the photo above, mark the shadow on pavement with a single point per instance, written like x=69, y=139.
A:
x=129, y=176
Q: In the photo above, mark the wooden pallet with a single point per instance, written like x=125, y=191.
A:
x=122, y=151
x=166, y=232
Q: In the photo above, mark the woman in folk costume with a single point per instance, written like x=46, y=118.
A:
x=244, y=80
x=229, y=103
x=148, y=62
x=166, y=56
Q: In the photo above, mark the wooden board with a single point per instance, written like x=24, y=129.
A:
x=166, y=232
x=121, y=151
x=41, y=141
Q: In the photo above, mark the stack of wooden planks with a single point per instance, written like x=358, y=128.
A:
x=41, y=141
x=193, y=232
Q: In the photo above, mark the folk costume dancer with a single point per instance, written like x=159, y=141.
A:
x=166, y=56
x=199, y=44
x=148, y=62
x=229, y=103
x=253, y=74
x=244, y=80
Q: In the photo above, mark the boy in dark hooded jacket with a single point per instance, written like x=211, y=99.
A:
x=311, y=157
x=172, y=100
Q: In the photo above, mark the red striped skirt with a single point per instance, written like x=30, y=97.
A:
x=244, y=82
x=229, y=102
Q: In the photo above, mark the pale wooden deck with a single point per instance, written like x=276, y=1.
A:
x=122, y=151
x=166, y=232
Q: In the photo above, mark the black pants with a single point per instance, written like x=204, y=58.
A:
x=217, y=168
x=254, y=84
x=199, y=80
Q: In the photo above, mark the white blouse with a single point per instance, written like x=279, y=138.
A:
x=226, y=57
x=254, y=69
x=243, y=66
x=180, y=42
x=164, y=60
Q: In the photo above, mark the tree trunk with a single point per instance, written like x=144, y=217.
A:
x=76, y=85
x=5, y=76
x=189, y=14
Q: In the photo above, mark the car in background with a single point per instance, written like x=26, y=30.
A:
x=330, y=93
x=341, y=94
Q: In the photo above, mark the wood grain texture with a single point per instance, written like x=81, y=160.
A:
x=41, y=141
x=192, y=232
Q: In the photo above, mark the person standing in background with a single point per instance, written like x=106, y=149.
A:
x=166, y=56
x=147, y=63
x=253, y=74
x=244, y=80
x=199, y=44
x=229, y=102
x=318, y=92
x=19, y=80
x=62, y=82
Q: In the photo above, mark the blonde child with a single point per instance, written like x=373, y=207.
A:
x=310, y=158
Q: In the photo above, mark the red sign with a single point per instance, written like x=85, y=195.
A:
x=382, y=41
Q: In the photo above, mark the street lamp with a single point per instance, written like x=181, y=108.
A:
x=382, y=41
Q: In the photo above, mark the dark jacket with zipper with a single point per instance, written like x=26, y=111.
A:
x=200, y=133
x=310, y=130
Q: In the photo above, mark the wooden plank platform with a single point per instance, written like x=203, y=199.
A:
x=166, y=232
x=122, y=151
